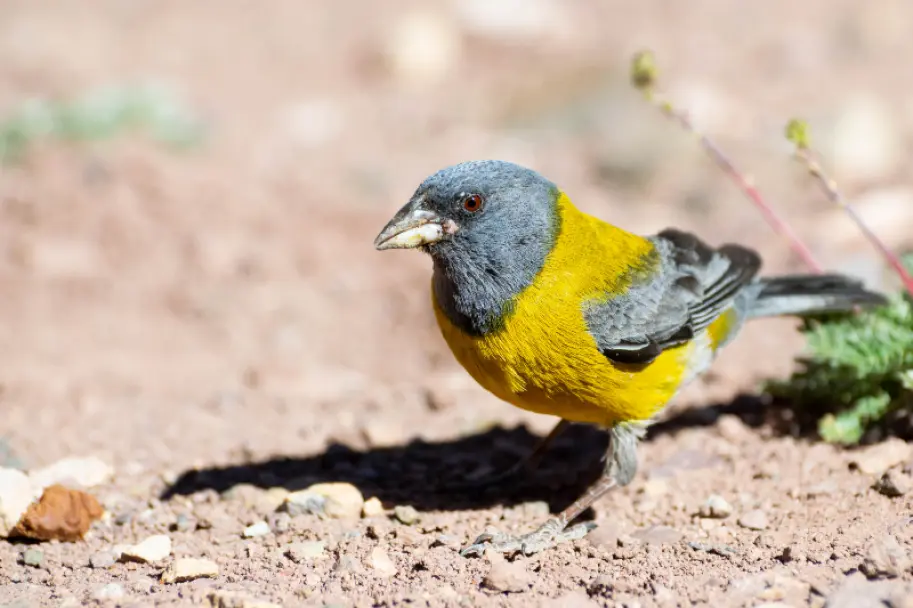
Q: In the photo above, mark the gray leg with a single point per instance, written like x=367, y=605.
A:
x=527, y=463
x=620, y=468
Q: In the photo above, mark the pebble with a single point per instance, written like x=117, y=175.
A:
x=60, y=514
x=226, y=599
x=104, y=559
x=656, y=487
x=336, y=500
x=893, y=484
x=111, y=591
x=716, y=507
x=33, y=558
x=16, y=494
x=373, y=507
x=856, y=592
x=877, y=459
x=405, y=514
x=886, y=558
x=305, y=551
x=507, y=577
x=754, y=520
x=261, y=528
x=80, y=472
x=602, y=586
x=381, y=562
x=571, y=599
x=188, y=569
x=658, y=535
x=153, y=549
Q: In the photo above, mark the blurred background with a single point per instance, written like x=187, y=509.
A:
x=190, y=190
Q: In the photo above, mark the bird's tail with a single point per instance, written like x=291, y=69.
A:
x=811, y=294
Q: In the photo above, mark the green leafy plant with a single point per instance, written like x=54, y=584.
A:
x=858, y=367
x=98, y=115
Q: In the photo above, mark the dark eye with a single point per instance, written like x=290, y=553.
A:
x=472, y=203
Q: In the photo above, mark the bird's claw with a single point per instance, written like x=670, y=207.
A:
x=548, y=535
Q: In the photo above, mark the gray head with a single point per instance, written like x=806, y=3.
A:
x=488, y=225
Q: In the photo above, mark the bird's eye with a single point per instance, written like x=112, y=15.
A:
x=472, y=203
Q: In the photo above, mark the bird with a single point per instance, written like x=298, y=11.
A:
x=558, y=312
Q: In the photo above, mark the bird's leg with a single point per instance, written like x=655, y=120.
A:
x=526, y=463
x=621, y=465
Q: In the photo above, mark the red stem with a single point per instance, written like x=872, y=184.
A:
x=776, y=222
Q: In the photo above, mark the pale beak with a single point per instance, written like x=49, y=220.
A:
x=411, y=227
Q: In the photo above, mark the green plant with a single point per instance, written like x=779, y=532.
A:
x=858, y=367
x=98, y=115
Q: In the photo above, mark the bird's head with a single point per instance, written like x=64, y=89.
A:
x=487, y=213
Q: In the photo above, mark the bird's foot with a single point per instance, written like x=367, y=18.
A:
x=553, y=532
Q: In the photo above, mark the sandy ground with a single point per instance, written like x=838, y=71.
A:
x=216, y=325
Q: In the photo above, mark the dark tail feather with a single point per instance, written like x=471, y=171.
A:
x=811, y=294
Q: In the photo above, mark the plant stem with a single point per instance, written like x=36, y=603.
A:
x=744, y=182
x=834, y=195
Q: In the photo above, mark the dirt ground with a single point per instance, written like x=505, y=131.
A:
x=216, y=325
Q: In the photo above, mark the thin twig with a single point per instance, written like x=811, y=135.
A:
x=797, y=133
x=643, y=75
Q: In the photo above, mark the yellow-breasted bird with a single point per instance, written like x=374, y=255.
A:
x=558, y=312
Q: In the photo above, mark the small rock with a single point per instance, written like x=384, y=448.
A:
x=877, y=459
x=381, y=562
x=305, y=551
x=732, y=428
x=571, y=599
x=656, y=487
x=33, y=558
x=824, y=488
x=405, y=514
x=273, y=498
x=856, y=592
x=337, y=500
x=893, y=484
x=605, y=536
x=373, y=507
x=261, y=528
x=102, y=560
x=60, y=514
x=111, y=591
x=885, y=557
x=188, y=569
x=658, y=535
x=347, y=563
x=16, y=494
x=226, y=599
x=151, y=550
x=754, y=520
x=716, y=507
x=83, y=473
x=507, y=577
x=602, y=586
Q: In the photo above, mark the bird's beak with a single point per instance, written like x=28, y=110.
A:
x=411, y=227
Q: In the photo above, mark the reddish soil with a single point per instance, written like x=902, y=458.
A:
x=215, y=322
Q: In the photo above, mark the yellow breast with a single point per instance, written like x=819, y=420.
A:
x=543, y=358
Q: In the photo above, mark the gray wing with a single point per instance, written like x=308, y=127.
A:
x=689, y=285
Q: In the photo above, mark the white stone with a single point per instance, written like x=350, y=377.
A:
x=16, y=494
x=153, y=549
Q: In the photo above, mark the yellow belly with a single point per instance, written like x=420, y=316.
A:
x=547, y=362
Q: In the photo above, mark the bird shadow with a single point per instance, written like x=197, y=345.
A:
x=424, y=474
